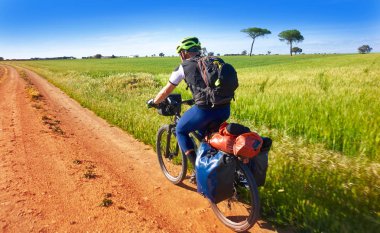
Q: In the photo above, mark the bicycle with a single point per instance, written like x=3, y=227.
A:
x=239, y=212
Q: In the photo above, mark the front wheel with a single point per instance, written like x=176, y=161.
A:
x=241, y=211
x=172, y=161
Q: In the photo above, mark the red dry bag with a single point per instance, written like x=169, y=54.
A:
x=247, y=145
x=222, y=140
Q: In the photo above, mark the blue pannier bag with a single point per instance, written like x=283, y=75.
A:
x=215, y=172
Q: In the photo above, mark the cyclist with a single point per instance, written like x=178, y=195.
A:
x=200, y=116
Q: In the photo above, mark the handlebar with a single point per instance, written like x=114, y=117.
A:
x=172, y=105
x=188, y=102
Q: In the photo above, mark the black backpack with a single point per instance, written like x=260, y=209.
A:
x=220, y=78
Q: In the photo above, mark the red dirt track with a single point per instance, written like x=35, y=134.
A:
x=49, y=143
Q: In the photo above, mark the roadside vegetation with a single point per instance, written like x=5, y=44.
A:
x=323, y=112
x=2, y=73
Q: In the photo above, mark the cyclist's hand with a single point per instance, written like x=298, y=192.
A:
x=150, y=103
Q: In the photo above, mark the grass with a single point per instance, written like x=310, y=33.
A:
x=106, y=202
x=332, y=101
x=33, y=93
x=90, y=174
x=77, y=161
x=2, y=73
x=52, y=124
x=322, y=112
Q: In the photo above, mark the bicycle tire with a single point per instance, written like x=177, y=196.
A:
x=254, y=205
x=169, y=154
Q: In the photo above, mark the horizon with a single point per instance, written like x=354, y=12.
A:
x=167, y=56
x=84, y=28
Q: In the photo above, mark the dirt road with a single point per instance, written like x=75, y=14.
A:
x=59, y=163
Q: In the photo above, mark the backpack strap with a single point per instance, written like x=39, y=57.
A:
x=202, y=69
x=202, y=66
x=196, y=59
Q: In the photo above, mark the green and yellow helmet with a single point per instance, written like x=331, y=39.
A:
x=188, y=43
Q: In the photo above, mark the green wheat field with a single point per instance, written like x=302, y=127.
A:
x=322, y=112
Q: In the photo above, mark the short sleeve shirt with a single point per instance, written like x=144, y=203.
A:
x=177, y=76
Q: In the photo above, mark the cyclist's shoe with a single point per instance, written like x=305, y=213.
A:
x=193, y=178
x=192, y=157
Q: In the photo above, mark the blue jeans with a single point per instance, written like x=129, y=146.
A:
x=198, y=119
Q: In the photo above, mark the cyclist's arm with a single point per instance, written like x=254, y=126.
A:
x=164, y=93
x=176, y=77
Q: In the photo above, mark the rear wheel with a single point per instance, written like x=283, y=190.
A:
x=241, y=211
x=172, y=161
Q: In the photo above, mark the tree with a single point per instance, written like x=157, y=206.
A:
x=1, y=59
x=254, y=33
x=244, y=53
x=296, y=50
x=269, y=52
x=291, y=36
x=98, y=56
x=210, y=54
x=161, y=55
x=204, y=51
x=364, y=49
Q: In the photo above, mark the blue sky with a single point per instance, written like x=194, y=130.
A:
x=40, y=28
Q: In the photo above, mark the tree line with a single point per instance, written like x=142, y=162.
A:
x=290, y=36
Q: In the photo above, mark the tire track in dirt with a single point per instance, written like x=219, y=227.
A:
x=50, y=143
